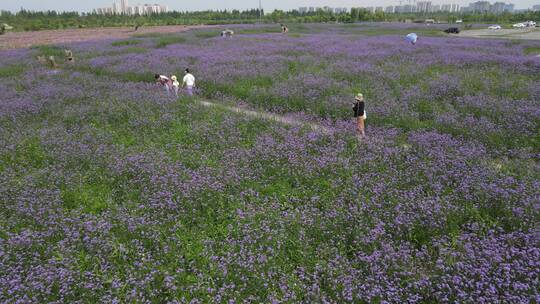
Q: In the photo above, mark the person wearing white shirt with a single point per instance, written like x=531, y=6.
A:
x=189, y=82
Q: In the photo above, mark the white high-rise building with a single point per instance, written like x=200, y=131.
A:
x=124, y=6
x=423, y=7
x=116, y=8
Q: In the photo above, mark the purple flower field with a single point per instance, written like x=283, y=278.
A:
x=111, y=192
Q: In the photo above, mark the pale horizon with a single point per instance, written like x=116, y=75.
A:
x=88, y=6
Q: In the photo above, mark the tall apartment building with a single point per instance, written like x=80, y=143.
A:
x=498, y=7
x=509, y=8
x=423, y=6
x=480, y=6
x=124, y=6
x=389, y=9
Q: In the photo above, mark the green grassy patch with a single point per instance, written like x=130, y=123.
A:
x=11, y=70
x=92, y=197
x=126, y=42
x=165, y=41
x=49, y=50
x=29, y=153
x=531, y=50
x=260, y=30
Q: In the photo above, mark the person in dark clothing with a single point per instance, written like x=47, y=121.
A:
x=360, y=114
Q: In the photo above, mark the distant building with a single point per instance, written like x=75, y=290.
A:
x=303, y=10
x=436, y=8
x=379, y=9
x=410, y=8
x=498, y=8
x=328, y=9
x=536, y=8
x=389, y=9
x=370, y=9
x=509, y=8
x=312, y=9
x=341, y=10
x=123, y=8
x=480, y=7
x=454, y=8
x=423, y=6
x=405, y=8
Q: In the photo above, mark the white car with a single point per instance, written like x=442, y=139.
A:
x=519, y=25
x=530, y=23
x=495, y=27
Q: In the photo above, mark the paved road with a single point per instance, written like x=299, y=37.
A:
x=526, y=34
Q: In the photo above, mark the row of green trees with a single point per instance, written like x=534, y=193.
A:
x=25, y=20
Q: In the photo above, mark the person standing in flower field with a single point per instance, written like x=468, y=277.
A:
x=175, y=84
x=189, y=82
x=164, y=81
x=284, y=29
x=360, y=114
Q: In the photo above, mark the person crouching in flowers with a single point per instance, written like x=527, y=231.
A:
x=175, y=84
x=360, y=114
x=164, y=81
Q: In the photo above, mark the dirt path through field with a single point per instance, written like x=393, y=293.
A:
x=270, y=116
x=15, y=40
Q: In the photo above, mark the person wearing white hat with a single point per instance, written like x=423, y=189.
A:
x=360, y=113
x=175, y=84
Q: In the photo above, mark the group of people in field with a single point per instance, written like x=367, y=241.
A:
x=51, y=60
x=171, y=83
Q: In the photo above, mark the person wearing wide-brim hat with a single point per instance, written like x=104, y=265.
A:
x=360, y=113
x=175, y=84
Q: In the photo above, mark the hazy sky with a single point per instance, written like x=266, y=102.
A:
x=80, y=5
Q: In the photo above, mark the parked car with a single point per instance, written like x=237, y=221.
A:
x=495, y=27
x=452, y=30
x=530, y=23
x=459, y=21
x=519, y=25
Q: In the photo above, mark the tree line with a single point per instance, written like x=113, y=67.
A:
x=26, y=20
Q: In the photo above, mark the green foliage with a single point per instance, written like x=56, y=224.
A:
x=48, y=50
x=32, y=21
x=168, y=40
x=126, y=42
x=205, y=34
x=92, y=198
x=532, y=50
x=11, y=70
